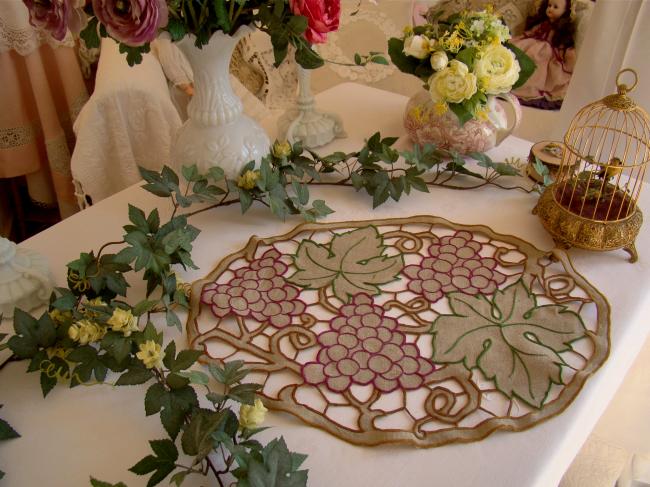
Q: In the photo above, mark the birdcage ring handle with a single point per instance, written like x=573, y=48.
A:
x=623, y=88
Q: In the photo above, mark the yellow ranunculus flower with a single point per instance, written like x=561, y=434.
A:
x=59, y=316
x=124, y=321
x=453, y=84
x=94, y=302
x=150, y=354
x=73, y=332
x=281, y=149
x=417, y=46
x=440, y=108
x=248, y=179
x=85, y=332
x=497, y=69
x=252, y=416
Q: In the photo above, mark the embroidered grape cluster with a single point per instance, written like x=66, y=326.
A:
x=454, y=264
x=258, y=290
x=363, y=346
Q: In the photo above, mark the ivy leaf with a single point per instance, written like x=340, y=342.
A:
x=117, y=345
x=31, y=334
x=88, y=362
x=501, y=168
x=179, y=477
x=511, y=339
x=196, y=377
x=352, y=263
x=98, y=483
x=278, y=468
x=185, y=359
x=136, y=374
x=197, y=437
x=173, y=404
x=6, y=431
x=162, y=463
x=244, y=393
x=231, y=373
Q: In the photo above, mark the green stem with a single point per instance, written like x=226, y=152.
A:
x=237, y=14
x=101, y=249
x=12, y=358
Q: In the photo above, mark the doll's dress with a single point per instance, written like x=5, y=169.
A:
x=549, y=82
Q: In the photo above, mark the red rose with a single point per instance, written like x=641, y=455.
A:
x=323, y=17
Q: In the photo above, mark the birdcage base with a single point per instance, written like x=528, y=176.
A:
x=570, y=230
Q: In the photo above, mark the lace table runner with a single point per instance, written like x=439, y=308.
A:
x=415, y=330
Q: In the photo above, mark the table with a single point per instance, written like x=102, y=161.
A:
x=60, y=444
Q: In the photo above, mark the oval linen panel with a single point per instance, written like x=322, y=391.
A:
x=415, y=330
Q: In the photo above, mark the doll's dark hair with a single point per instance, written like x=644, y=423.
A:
x=564, y=29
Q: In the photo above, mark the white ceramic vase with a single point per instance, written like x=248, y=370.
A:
x=304, y=122
x=217, y=132
x=25, y=280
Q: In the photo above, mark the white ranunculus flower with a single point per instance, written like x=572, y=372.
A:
x=417, y=46
x=439, y=60
x=497, y=69
x=452, y=84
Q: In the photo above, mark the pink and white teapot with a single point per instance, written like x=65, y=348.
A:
x=424, y=125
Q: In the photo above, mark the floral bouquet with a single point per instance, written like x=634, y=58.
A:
x=462, y=59
x=135, y=23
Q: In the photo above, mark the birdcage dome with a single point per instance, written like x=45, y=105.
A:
x=597, y=187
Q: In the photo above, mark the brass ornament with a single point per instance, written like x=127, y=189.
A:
x=570, y=230
x=593, y=201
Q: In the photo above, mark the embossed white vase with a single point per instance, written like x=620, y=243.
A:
x=217, y=132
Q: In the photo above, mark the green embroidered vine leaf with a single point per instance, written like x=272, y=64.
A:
x=352, y=263
x=511, y=339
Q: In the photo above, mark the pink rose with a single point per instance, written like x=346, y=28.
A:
x=323, y=17
x=50, y=15
x=133, y=22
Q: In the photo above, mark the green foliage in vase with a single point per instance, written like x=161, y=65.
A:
x=462, y=59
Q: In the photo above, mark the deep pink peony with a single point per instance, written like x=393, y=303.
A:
x=323, y=17
x=133, y=22
x=50, y=15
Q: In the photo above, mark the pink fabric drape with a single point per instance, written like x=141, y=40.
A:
x=40, y=95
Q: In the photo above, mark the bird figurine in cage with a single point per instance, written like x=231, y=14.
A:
x=593, y=203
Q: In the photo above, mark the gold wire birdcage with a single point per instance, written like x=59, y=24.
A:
x=593, y=202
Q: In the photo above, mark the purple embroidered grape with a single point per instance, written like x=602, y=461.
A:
x=259, y=291
x=455, y=264
x=364, y=347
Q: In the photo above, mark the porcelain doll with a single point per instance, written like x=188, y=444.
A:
x=549, y=41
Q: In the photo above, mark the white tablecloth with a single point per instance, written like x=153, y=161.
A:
x=102, y=431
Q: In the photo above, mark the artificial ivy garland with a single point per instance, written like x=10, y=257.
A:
x=89, y=329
